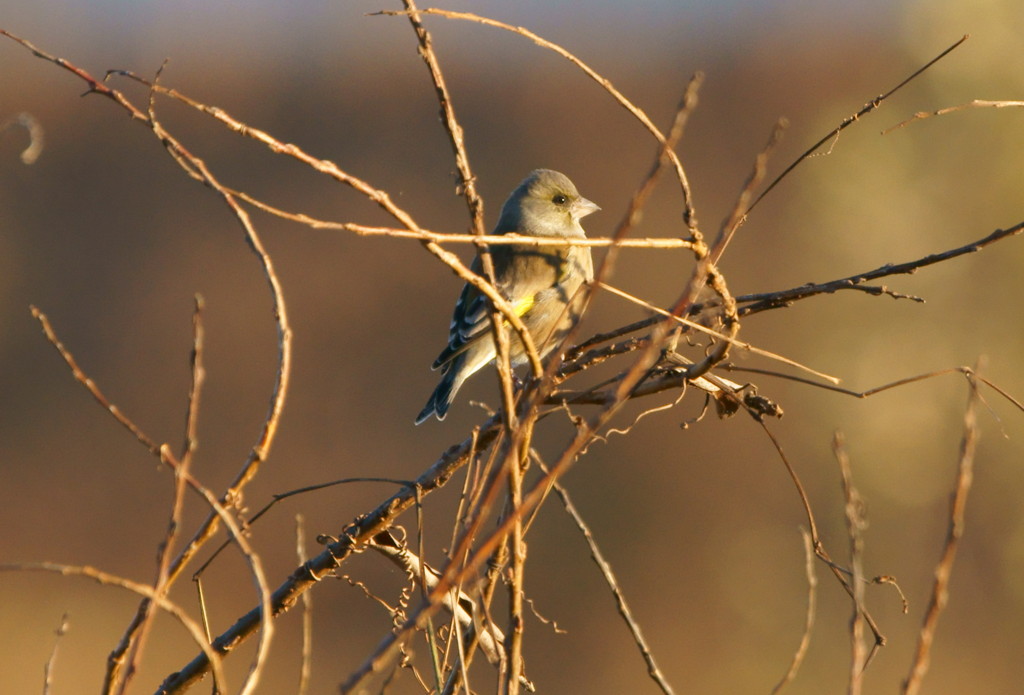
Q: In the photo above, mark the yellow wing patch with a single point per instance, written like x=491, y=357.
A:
x=523, y=305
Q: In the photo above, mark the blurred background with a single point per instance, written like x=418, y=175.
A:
x=108, y=237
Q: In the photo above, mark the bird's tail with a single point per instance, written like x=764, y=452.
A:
x=441, y=399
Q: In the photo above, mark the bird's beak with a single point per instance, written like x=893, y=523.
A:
x=583, y=207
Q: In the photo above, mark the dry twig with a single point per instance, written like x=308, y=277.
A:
x=508, y=435
x=61, y=630
x=973, y=104
x=812, y=602
x=144, y=590
x=944, y=568
x=855, y=523
x=620, y=600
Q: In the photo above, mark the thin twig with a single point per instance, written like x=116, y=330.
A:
x=163, y=453
x=278, y=497
x=966, y=371
x=90, y=385
x=689, y=215
x=812, y=602
x=740, y=209
x=196, y=168
x=467, y=182
x=819, y=546
x=107, y=579
x=634, y=211
x=307, y=610
x=609, y=577
x=517, y=565
x=850, y=120
x=944, y=568
x=372, y=193
x=853, y=512
x=51, y=663
x=773, y=300
x=356, y=534
x=973, y=104
x=697, y=326
x=145, y=610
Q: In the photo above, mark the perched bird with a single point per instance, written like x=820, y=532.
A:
x=539, y=282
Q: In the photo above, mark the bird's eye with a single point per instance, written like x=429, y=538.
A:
x=559, y=199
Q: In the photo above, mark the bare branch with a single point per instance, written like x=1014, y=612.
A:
x=143, y=590
x=772, y=300
x=689, y=215
x=358, y=533
x=819, y=546
x=719, y=336
x=61, y=630
x=620, y=600
x=307, y=610
x=812, y=601
x=850, y=120
x=855, y=523
x=973, y=104
x=943, y=570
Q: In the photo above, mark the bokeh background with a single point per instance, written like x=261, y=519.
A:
x=108, y=237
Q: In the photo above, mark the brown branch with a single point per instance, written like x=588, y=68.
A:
x=772, y=300
x=740, y=211
x=812, y=601
x=689, y=214
x=850, y=120
x=145, y=611
x=517, y=565
x=307, y=610
x=61, y=630
x=90, y=385
x=106, y=579
x=358, y=533
x=819, y=546
x=973, y=104
x=944, y=568
x=164, y=455
x=969, y=372
x=756, y=303
x=467, y=182
x=198, y=170
x=634, y=212
x=376, y=195
x=620, y=600
x=853, y=508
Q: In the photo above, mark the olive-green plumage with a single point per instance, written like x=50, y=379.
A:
x=540, y=282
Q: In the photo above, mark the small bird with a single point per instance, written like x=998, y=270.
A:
x=541, y=284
